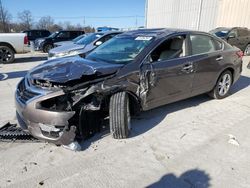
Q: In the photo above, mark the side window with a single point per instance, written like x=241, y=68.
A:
x=73, y=34
x=201, y=44
x=64, y=34
x=170, y=49
x=106, y=38
x=233, y=32
x=218, y=45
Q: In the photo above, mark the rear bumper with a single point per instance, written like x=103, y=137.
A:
x=51, y=126
x=238, y=71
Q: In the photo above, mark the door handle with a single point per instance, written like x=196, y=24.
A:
x=219, y=58
x=188, y=67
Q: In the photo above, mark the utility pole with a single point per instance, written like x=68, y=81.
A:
x=199, y=15
x=2, y=17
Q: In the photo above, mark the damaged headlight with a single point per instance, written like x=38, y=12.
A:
x=59, y=103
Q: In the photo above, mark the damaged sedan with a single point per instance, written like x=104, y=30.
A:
x=68, y=99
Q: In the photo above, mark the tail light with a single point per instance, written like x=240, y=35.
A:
x=240, y=54
x=26, y=40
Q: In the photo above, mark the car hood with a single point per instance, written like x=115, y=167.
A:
x=63, y=70
x=67, y=48
x=63, y=43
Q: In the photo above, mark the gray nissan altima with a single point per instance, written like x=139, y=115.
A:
x=67, y=99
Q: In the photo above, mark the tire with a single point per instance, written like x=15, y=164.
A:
x=119, y=115
x=222, y=86
x=47, y=48
x=247, y=50
x=7, y=55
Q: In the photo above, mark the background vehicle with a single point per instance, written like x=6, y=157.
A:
x=105, y=28
x=82, y=46
x=11, y=43
x=35, y=34
x=66, y=98
x=69, y=42
x=45, y=44
x=236, y=36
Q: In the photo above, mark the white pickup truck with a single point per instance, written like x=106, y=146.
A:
x=12, y=43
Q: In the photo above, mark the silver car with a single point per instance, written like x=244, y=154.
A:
x=82, y=46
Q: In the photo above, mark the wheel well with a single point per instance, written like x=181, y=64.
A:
x=134, y=104
x=8, y=45
x=232, y=72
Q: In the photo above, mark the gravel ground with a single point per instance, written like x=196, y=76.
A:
x=196, y=143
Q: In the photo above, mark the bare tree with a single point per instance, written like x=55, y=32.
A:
x=26, y=19
x=5, y=18
x=45, y=22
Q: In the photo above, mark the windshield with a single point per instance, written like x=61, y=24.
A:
x=78, y=38
x=220, y=33
x=53, y=34
x=120, y=50
x=88, y=39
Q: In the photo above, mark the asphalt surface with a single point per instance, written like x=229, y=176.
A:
x=198, y=143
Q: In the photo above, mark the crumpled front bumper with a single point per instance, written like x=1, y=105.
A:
x=44, y=124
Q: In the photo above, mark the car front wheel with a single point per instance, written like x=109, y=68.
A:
x=223, y=86
x=119, y=115
x=7, y=55
x=47, y=48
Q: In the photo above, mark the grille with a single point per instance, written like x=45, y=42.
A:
x=23, y=93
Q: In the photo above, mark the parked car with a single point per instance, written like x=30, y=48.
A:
x=82, y=46
x=66, y=99
x=236, y=36
x=71, y=41
x=36, y=33
x=45, y=44
x=105, y=28
x=12, y=43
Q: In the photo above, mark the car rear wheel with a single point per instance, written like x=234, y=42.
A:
x=47, y=48
x=223, y=86
x=247, y=50
x=119, y=115
x=7, y=55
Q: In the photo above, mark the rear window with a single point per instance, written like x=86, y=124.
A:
x=202, y=44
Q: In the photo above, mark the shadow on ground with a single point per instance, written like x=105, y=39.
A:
x=242, y=83
x=12, y=75
x=29, y=59
x=190, y=179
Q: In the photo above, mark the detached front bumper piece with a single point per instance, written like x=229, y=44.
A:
x=45, y=124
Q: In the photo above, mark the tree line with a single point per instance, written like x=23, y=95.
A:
x=25, y=21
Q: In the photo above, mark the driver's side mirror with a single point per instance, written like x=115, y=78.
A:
x=232, y=35
x=98, y=43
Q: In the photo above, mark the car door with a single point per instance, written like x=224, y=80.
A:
x=233, y=38
x=243, y=38
x=62, y=36
x=206, y=55
x=168, y=73
x=238, y=38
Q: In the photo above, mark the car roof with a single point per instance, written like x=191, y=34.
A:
x=230, y=28
x=108, y=32
x=156, y=32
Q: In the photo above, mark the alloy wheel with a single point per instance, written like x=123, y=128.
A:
x=224, y=84
x=5, y=55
